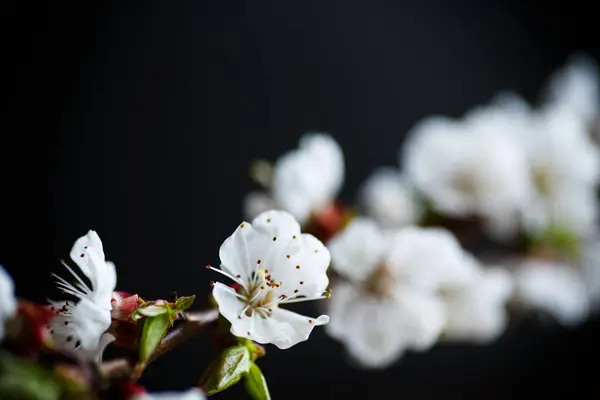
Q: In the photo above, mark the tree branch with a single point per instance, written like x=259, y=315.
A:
x=193, y=324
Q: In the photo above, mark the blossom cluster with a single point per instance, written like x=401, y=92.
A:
x=407, y=266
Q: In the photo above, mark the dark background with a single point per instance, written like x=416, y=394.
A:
x=139, y=120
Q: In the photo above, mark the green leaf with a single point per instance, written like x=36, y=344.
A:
x=227, y=370
x=152, y=310
x=256, y=384
x=183, y=303
x=154, y=330
x=561, y=239
x=20, y=379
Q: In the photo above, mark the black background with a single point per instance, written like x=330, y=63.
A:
x=139, y=120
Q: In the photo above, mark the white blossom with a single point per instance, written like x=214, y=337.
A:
x=477, y=311
x=8, y=301
x=576, y=86
x=274, y=264
x=472, y=167
x=305, y=180
x=390, y=301
x=554, y=288
x=390, y=199
x=564, y=174
x=80, y=325
x=191, y=394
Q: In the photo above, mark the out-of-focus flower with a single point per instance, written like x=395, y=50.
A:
x=273, y=264
x=191, y=394
x=553, y=288
x=8, y=301
x=477, y=311
x=80, y=326
x=305, y=180
x=564, y=171
x=576, y=86
x=256, y=203
x=590, y=265
x=390, y=300
x=389, y=198
x=471, y=167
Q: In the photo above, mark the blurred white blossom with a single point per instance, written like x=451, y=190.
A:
x=555, y=288
x=477, y=311
x=471, y=167
x=590, y=265
x=8, y=301
x=390, y=301
x=304, y=181
x=274, y=264
x=191, y=394
x=80, y=325
x=564, y=174
x=390, y=199
x=576, y=86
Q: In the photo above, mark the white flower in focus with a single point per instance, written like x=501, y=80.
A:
x=565, y=173
x=390, y=302
x=8, y=301
x=274, y=264
x=477, y=311
x=577, y=87
x=388, y=197
x=191, y=394
x=80, y=326
x=472, y=167
x=556, y=289
x=305, y=180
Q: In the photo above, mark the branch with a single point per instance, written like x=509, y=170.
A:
x=193, y=324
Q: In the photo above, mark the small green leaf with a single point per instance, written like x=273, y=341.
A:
x=154, y=330
x=227, y=370
x=183, y=303
x=152, y=310
x=256, y=384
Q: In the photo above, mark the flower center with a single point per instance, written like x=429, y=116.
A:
x=260, y=295
x=542, y=179
x=381, y=282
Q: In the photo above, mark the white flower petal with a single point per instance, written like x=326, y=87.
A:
x=369, y=327
x=390, y=199
x=423, y=317
x=576, y=86
x=88, y=254
x=428, y=258
x=308, y=179
x=82, y=325
x=230, y=306
x=296, y=328
x=477, y=312
x=8, y=301
x=256, y=203
x=357, y=249
x=191, y=394
x=556, y=289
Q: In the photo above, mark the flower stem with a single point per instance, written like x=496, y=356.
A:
x=193, y=324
